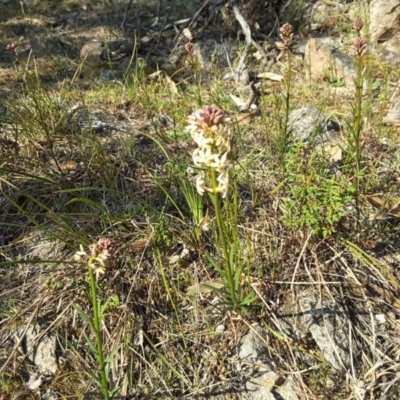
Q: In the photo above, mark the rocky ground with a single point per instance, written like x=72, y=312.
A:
x=330, y=322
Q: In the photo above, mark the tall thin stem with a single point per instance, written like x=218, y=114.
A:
x=287, y=107
x=357, y=128
x=99, y=340
x=286, y=34
x=360, y=45
x=222, y=232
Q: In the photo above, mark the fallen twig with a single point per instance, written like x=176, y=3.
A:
x=128, y=6
x=247, y=32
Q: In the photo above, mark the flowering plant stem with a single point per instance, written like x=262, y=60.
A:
x=97, y=331
x=286, y=34
x=284, y=129
x=229, y=273
x=358, y=120
x=97, y=262
x=354, y=139
x=212, y=136
x=357, y=131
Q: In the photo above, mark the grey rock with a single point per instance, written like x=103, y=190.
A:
x=40, y=349
x=326, y=321
x=385, y=19
x=44, y=45
x=324, y=60
x=49, y=395
x=318, y=15
x=263, y=383
x=324, y=14
x=389, y=51
x=328, y=328
x=384, y=27
x=252, y=348
x=97, y=53
x=260, y=386
x=307, y=124
x=107, y=75
x=393, y=115
x=96, y=121
x=300, y=47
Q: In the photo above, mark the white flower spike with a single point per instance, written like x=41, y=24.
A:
x=209, y=131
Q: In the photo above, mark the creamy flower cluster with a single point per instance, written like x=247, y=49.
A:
x=212, y=136
x=99, y=256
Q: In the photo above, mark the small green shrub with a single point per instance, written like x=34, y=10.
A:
x=317, y=197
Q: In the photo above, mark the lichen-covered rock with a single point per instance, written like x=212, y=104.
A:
x=384, y=18
x=328, y=327
x=40, y=349
x=325, y=321
x=307, y=124
x=325, y=61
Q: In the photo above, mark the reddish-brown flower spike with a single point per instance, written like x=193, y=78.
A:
x=189, y=47
x=360, y=45
x=286, y=29
x=207, y=117
x=11, y=47
x=286, y=34
x=104, y=246
x=358, y=24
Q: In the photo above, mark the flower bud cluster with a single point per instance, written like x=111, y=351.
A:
x=360, y=44
x=358, y=24
x=189, y=47
x=209, y=131
x=100, y=253
x=11, y=48
x=286, y=34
